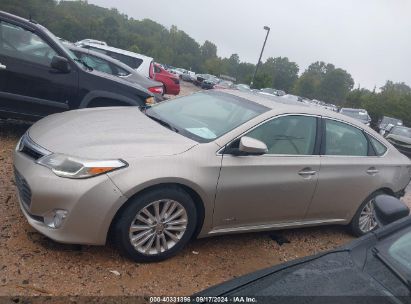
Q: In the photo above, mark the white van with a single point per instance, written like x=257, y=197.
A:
x=142, y=64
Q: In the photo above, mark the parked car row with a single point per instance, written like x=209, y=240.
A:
x=40, y=76
x=106, y=64
x=142, y=64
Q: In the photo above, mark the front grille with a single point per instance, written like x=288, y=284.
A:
x=31, y=149
x=23, y=188
x=30, y=152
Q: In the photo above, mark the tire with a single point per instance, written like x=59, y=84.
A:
x=157, y=233
x=360, y=229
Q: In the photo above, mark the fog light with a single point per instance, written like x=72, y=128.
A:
x=55, y=218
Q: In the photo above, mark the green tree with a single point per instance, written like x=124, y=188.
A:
x=284, y=73
x=208, y=50
x=335, y=86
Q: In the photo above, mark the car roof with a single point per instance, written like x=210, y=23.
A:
x=284, y=105
x=119, y=51
x=354, y=109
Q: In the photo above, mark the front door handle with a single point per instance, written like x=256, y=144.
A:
x=372, y=171
x=2, y=66
x=306, y=172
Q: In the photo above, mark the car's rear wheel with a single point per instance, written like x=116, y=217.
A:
x=155, y=225
x=364, y=220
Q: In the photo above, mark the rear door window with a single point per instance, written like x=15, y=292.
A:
x=130, y=61
x=344, y=139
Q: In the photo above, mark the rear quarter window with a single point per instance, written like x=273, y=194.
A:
x=130, y=61
x=379, y=148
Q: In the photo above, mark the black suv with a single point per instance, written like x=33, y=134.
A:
x=40, y=76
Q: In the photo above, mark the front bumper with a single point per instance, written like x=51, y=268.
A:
x=91, y=203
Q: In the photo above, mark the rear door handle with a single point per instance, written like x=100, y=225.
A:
x=307, y=172
x=2, y=66
x=372, y=171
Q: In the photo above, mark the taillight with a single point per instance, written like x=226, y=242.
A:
x=156, y=90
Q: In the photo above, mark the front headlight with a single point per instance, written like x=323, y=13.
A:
x=73, y=167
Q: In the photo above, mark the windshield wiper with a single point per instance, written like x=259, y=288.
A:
x=163, y=123
x=394, y=270
x=83, y=63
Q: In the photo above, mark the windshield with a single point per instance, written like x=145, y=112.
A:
x=57, y=41
x=205, y=116
x=396, y=251
x=357, y=114
x=402, y=131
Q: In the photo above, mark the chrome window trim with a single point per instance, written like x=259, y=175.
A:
x=219, y=151
x=365, y=131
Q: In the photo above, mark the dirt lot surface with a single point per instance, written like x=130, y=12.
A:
x=31, y=264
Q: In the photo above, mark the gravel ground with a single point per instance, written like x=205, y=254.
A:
x=31, y=264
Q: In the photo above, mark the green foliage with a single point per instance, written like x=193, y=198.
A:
x=394, y=100
x=324, y=82
x=76, y=20
x=282, y=72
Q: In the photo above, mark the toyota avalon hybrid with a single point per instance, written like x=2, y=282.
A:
x=206, y=164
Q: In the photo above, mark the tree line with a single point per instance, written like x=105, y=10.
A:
x=76, y=20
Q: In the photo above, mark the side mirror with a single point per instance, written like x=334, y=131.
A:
x=388, y=209
x=252, y=146
x=60, y=64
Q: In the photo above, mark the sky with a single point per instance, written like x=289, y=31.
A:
x=371, y=39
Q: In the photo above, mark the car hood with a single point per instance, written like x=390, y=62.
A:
x=112, y=132
x=143, y=81
x=406, y=141
x=333, y=274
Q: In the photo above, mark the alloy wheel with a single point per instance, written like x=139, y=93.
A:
x=367, y=221
x=158, y=227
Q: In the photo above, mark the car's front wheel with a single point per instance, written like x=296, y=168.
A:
x=155, y=225
x=364, y=220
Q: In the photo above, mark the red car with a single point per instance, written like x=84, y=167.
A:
x=170, y=81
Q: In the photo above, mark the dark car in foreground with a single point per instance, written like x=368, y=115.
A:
x=40, y=76
x=400, y=137
x=375, y=268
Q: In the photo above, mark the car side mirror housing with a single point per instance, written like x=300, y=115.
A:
x=389, y=209
x=60, y=64
x=252, y=146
